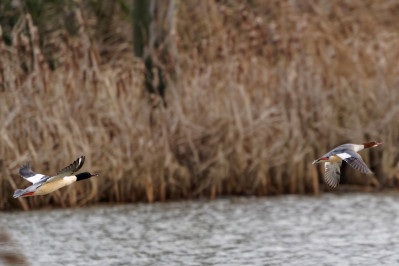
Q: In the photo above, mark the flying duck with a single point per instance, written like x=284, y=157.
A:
x=42, y=185
x=348, y=153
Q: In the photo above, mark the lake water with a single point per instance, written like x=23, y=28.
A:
x=333, y=229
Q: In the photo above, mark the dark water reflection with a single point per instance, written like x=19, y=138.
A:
x=350, y=229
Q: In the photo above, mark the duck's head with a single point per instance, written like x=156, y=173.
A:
x=371, y=144
x=85, y=175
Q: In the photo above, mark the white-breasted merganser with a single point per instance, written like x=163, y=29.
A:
x=42, y=185
x=347, y=153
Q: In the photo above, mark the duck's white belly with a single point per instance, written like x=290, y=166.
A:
x=53, y=186
x=334, y=159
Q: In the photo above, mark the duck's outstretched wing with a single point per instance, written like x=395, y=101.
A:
x=29, y=175
x=332, y=174
x=69, y=170
x=73, y=167
x=357, y=163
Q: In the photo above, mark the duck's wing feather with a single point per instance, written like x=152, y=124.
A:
x=73, y=167
x=332, y=173
x=69, y=170
x=29, y=175
x=355, y=161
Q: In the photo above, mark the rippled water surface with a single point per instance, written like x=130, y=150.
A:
x=350, y=229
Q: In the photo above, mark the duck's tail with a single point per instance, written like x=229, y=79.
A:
x=18, y=193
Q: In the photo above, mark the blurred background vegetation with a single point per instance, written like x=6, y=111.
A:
x=186, y=99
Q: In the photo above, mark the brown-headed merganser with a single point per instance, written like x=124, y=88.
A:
x=347, y=153
x=42, y=185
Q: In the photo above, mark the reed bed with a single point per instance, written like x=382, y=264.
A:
x=255, y=93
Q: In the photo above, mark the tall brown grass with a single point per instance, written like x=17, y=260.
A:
x=258, y=91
